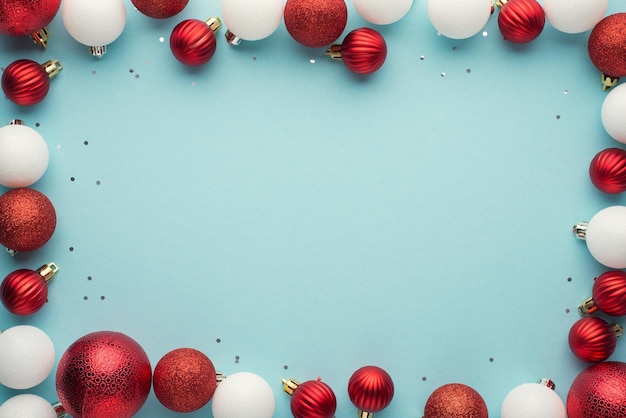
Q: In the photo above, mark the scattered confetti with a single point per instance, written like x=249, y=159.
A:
x=312, y=60
x=485, y=33
x=161, y=39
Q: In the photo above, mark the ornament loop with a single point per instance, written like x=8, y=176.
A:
x=580, y=230
x=47, y=271
x=98, y=51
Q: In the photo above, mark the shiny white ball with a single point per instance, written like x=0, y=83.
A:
x=532, y=400
x=26, y=357
x=27, y=406
x=613, y=113
x=382, y=12
x=243, y=395
x=459, y=19
x=606, y=237
x=574, y=16
x=252, y=20
x=94, y=22
x=24, y=156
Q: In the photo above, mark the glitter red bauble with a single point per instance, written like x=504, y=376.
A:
x=160, y=9
x=455, y=400
x=608, y=170
x=609, y=292
x=521, y=21
x=27, y=219
x=315, y=23
x=313, y=399
x=25, y=291
x=25, y=17
x=193, y=42
x=25, y=82
x=370, y=389
x=592, y=339
x=184, y=380
x=598, y=392
x=607, y=45
x=363, y=51
x=102, y=375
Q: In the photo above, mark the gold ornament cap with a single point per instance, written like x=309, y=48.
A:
x=52, y=67
x=232, y=39
x=289, y=386
x=608, y=81
x=334, y=52
x=47, y=271
x=580, y=230
x=40, y=37
x=214, y=23
x=588, y=307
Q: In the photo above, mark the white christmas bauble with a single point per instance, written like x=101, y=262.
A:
x=24, y=156
x=532, y=400
x=606, y=237
x=613, y=113
x=243, y=395
x=382, y=12
x=26, y=357
x=574, y=16
x=27, y=406
x=94, y=22
x=252, y=20
x=459, y=19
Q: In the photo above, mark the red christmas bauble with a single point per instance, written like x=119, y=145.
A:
x=102, y=375
x=607, y=45
x=27, y=219
x=521, y=21
x=370, y=389
x=598, y=391
x=609, y=292
x=160, y=9
x=608, y=170
x=363, y=51
x=455, y=400
x=313, y=399
x=592, y=339
x=184, y=380
x=25, y=17
x=315, y=23
x=193, y=42
x=26, y=82
x=25, y=291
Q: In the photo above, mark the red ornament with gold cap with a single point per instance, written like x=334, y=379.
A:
x=520, y=21
x=28, y=17
x=193, y=41
x=25, y=291
x=607, y=48
x=608, y=295
x=25, y=82
x=363, y=51
x=370, y=389
x=593, y=339
x=311, y=399
x=608, y=170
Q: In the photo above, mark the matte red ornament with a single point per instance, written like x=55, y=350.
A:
x=607, y=295
x=592, y=339
x=363, y=51
x=315, y=23
x=25, y=82
x=160, y=9
x=455, y=400
x=104, y=374
x=25, y=291
x=311, y=399
x=607, y=47
x=608, y=170
x=27, y=17
x=371, y=390
x=521, y=21
x=184, y=380
x=598, y=391
x=27, y=220
x=193, y=41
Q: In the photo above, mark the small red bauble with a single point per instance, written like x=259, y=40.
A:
x=607, y=295
x=27, y=220
x=521, y=21
x=311, y=399
x=607, y=45
x=598, y=391
x=102, y=375
x=455, y=400
x=363, y=51
x=26, y=82
x=25, y=17
x=370, y=389
x=25, y=291
x=608, y=170
x=315, y=23
x=184, y=380
x=193, y=41
x=592, y=339
x=160, y=9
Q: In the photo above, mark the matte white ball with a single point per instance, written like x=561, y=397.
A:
x=382, y=12
x=459, y=19
x=606, y=237
x=26, y=357
x=532, y=400
x=574, y=16
x=27, y=406
x=252, y=20
x=24, y=156
x=94, y=22
x=613, y=113
x=243, y=395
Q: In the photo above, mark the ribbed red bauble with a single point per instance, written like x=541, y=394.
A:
x=160, y=9
x=184, y=380
x=455, y=400
x=104, y=374
x=363, y=51
x=592, y=339
x=598, y=391
x=370, y=389
x=26, y=17
x=315, y=23
x=25, y=291
x=608, y=170
x=311, y=399
x=27, y=219
x=607, y=45
x=25, y=82
x=521, y=21
x=193, y=41
x=607, y=295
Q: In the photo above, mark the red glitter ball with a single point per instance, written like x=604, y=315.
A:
x=316, y=23
x=160, y=9
x=598, y=392
x=455, y=400
x=184, y=380
x=313, y=399
x=521, y=21
x=25, y=17
x=607, y=45
x=370, y=389
x=193, y=42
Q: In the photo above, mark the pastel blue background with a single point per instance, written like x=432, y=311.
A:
x=315, y=221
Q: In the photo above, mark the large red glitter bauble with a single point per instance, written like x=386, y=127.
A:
x=313, y=399
x=24, y=292
x=607, y=45
x=598, y=392
x=592, y=339
x=455, y=400
x=521, y=21
x=27, y=219
x=315, y=23
x=25, y=17
x=608, y=170
x=25, y=82
x=370, y=389
x=102, y=375
x=193, y=42
x=184, y=380
x=363, y=51
x=160, y=9
x=609, y=292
